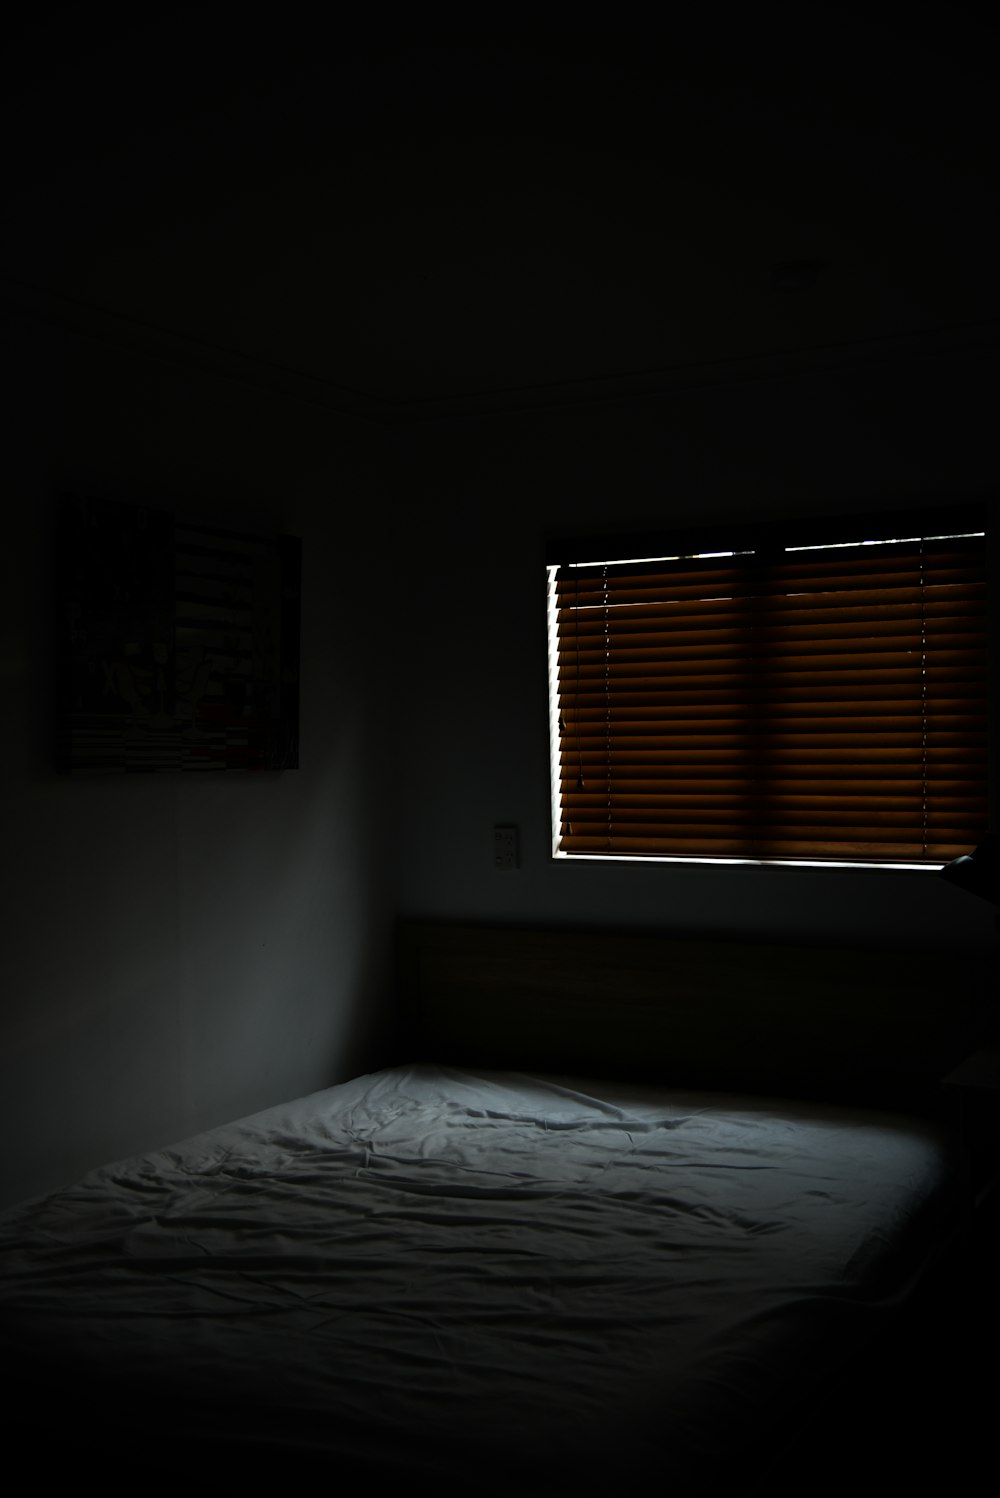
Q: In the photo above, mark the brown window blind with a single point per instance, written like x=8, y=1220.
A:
x=820, y=702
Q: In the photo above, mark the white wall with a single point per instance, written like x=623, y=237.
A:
x=474, y=718
x=178, y=952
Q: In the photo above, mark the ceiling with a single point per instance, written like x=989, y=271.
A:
x=412, y=221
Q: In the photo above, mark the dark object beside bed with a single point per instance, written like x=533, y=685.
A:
x=452, y=1273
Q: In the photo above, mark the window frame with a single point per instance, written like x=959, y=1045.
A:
x=848, y=529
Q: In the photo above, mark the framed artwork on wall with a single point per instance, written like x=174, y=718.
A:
x=178, y=643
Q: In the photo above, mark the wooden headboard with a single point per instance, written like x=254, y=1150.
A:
x=799, y=1019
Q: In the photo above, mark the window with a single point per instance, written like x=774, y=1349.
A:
x=805, y=695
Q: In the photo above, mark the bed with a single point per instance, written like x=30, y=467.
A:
x=528, y=1279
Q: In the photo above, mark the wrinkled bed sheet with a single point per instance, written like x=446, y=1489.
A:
x=496, y=1277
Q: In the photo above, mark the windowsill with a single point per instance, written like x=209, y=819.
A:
x=785, y=864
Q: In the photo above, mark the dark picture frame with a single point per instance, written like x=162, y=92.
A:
x=178, y=643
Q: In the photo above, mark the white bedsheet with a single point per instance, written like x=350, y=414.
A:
x=479, y=1275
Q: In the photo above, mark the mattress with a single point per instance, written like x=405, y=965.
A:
x=502, y=1279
